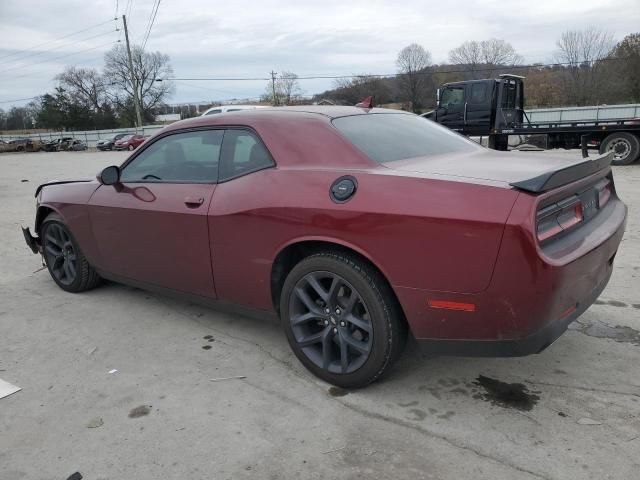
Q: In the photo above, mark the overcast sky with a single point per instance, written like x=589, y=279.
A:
x=214, y=38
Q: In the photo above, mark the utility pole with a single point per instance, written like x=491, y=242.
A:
x=273, y=87
x=134, y=82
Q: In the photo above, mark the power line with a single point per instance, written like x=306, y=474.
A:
x=20, y=99
x=152, y=20
x=52, y=49
x=57, y=39
x=390, y=75
x=129, y=7
x=61, y=56
x=204, y=88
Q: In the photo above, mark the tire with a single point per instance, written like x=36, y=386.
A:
x=370, y=329
x=59, y=250
x=626, y=147
x=130, y=147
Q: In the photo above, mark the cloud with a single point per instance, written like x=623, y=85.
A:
x=250, y=38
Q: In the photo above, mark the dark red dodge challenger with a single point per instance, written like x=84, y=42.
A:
x=354, y=225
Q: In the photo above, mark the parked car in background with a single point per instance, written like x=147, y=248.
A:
x=57, y=145
x=27, y=145
x=20, y=143
x=76, y=145
x=8, y=147
x=369, y=223
x=108, y=143
x=129, y=142
x=230, y=108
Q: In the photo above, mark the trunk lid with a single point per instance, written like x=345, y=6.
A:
x=530, y=172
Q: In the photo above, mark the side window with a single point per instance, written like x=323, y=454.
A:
x=189, y=157
x=242, y=153
x=213, y=112
x=452, y=97
x=478, y=92
x=509, y=94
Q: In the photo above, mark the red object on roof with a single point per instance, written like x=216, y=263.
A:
x=366, y=103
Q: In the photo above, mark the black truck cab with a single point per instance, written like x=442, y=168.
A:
x=478, y=107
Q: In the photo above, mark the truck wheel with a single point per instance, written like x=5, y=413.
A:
x=625, y=147
x=341, y=319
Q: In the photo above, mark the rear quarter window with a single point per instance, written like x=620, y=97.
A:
x=478, y=92
x=386, y=137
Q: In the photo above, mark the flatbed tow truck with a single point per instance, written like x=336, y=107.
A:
x=495, y=108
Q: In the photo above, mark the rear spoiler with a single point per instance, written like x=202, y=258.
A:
x=557, y=178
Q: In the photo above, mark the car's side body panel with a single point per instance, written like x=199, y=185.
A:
x=146, y=232
x=69, y=200
x=409, y=228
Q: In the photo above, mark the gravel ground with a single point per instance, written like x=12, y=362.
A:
x=570, y=412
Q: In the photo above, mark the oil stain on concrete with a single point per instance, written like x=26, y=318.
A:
x=338, y=392
x=598, y=329
x=141, y=411
x=508, y=395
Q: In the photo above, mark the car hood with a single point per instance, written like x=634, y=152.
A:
x=58, y=182
x=533, y=172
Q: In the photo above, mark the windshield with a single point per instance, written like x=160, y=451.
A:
x=386, y=137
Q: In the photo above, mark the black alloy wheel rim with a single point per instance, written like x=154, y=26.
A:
x=330, y=322
x=60, y=254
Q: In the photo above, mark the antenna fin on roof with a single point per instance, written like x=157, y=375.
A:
x=366, y=103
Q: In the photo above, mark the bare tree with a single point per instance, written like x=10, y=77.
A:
x=482, y=58
x=352, y=90
x=584, y=51
x=627, y=66
x=413, y=62
x=287, y=89
x=85, y=86
x=152, y=72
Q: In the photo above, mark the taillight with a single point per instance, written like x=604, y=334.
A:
x=559, y=217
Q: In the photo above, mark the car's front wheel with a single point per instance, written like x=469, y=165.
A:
x=64, y=259
x=341, y=319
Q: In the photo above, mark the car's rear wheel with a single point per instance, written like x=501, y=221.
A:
x=64, y=259
x=341, y=319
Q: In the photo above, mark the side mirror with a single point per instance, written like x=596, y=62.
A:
x=109, y=176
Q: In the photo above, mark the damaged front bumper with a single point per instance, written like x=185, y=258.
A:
x=32, y=242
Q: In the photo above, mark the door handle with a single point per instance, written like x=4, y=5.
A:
x=193, y=202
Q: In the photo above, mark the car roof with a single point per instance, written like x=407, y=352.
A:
x=331, y=111
x=275, y=114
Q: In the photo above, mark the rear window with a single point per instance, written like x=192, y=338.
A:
x=386, y=137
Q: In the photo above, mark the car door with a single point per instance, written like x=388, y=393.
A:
x=478, y=107
x=152, y=226
x=238, y=249
x=450, y=112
